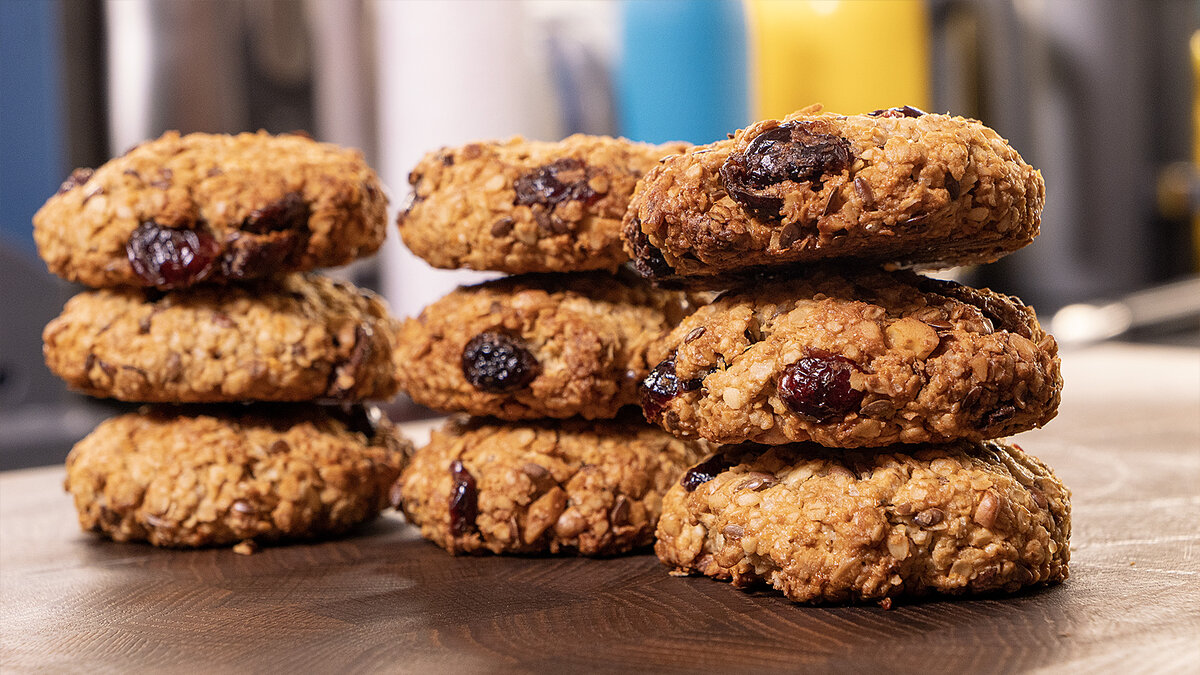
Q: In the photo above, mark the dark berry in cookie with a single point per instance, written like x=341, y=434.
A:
x=902, y=111
x=792, y=151
x=662, y=385
x=705, y=471
x=464, y=499
x=171, y=258
x=563, y=180
x=496, y=362
x=288, y=213
x=818, y=386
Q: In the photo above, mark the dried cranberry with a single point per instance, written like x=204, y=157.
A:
x=902, y=111
x=78, y=177
x=791, y=151
x=464, y=499
x=171, y=258
x=705, y=471
x=563, y=180
x=495, y=362
x=288, y=213
x=818, y=386
x=661, y=386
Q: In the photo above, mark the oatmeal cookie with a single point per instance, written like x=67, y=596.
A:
x=851, y=358
x=822, y=525
x=594, y=488
x=521, y=206
x=537, y=345
x=219, y=475
x=298, y=338
x=181, y=210
x=894, y=186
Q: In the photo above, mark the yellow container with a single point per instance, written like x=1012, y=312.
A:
x=851, y=55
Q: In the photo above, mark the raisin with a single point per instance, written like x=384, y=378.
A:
x=497, y=363
x=792, y=151
x=902, y=111
x=648, y=260
x=705, y=471
x=171, y=258
x=464, y=499
x=661, y=386
x=287, y=213
x=250, y=256
x=78, y=177
x=563, y=180
x=818, y=386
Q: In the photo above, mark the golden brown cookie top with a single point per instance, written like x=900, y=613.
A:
x=893, y=186
x=520, y=206
x=537, y=345
x=182, y=210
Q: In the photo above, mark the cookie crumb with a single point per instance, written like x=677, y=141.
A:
x=246, y=547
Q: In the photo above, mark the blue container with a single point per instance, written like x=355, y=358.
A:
x=682, y=70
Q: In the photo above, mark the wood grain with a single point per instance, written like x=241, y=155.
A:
x=1127, y=442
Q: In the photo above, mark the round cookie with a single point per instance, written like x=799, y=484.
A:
x=594, y=488
x=850, y=358
x=181, y=210
x=191, y=477
x=893, y=186
x=521, y=206
x=297, y=338
x=537, y=346
x=822, y=525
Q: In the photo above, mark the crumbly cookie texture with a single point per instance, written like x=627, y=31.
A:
x=593, y=488
x=521, y=206
x=823, y=525
x=220, y=475
x=895, y=186
x=298, y=338
x=851, y=358
x=537, y=345
x=181, y=210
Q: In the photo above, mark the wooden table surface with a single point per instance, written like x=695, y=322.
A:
x=1127, y=441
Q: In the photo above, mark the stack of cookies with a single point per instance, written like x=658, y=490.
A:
x=862, y=410
x=199, y=249
x=542, y=363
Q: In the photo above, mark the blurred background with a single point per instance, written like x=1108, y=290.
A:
x=1101, y=95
